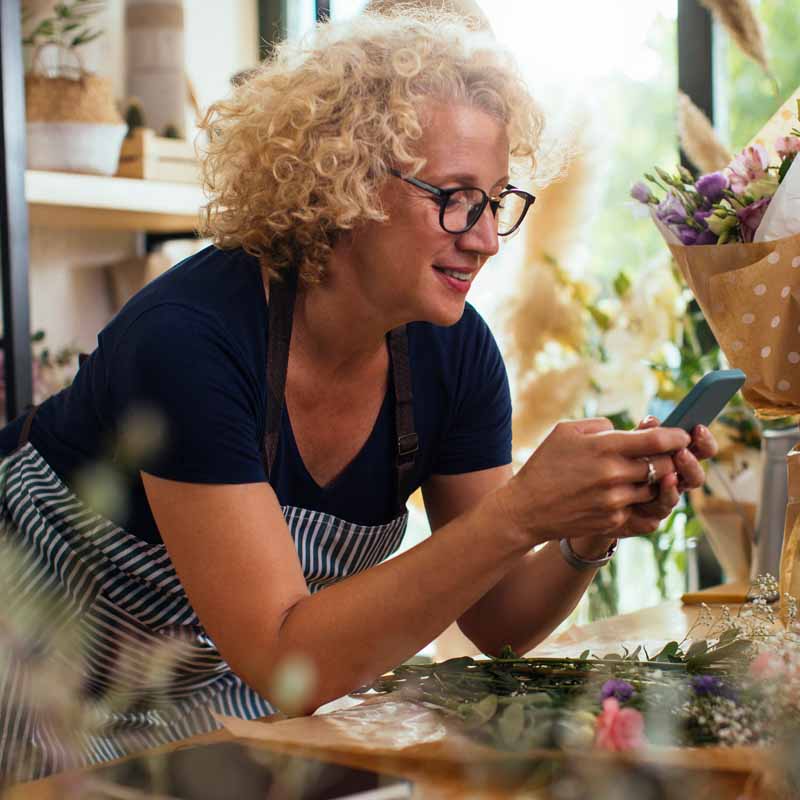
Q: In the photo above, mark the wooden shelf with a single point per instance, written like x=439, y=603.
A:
x=96, y=202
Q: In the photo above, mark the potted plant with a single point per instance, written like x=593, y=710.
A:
x=72, y=121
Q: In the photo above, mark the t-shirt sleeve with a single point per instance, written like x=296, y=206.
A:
x=177, y=367
x=478, y=434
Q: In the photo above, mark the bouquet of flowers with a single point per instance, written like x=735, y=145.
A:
x=735, y=235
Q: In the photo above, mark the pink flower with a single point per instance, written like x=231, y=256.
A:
x=618, y=728
x=750, y=217
x=786, y=145
x=767, y=666
x=750, y=165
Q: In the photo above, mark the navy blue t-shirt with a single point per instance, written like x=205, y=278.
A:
x=191, y=349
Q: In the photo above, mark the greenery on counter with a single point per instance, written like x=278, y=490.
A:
x=738, y=685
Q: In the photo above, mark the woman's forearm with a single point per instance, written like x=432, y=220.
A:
x=357, y=629
x=530, y=601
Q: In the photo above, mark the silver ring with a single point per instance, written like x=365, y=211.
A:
x=652, y=478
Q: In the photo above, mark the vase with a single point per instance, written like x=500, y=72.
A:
x=156, y=69
x=75, y=146
x=768, y=537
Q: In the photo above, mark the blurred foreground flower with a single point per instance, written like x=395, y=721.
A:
x=619, y=728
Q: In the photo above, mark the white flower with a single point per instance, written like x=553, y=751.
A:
x=654, y=306
x=624, y=385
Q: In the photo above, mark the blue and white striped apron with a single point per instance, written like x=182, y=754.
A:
x=101, y=653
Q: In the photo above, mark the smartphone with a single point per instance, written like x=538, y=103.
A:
x=237, y=771
x=706, y=399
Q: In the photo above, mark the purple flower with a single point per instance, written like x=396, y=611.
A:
x=617, y=688
x=711, y=686
x=750, y=217
x=671, y=210
x=701, y=216
x=706, y=237
x=712, y=185
x=641, y=191
x=687, y=234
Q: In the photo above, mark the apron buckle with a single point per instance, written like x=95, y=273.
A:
x=407, y=447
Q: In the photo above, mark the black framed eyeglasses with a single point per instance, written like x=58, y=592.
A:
x=461, y=208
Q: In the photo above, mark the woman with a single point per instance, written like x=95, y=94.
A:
x=308, y=373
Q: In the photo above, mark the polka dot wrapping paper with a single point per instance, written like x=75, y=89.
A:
x=750, y=296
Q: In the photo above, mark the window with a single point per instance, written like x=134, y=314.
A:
x=614, y=74
x=745, y=96
x=346, y=8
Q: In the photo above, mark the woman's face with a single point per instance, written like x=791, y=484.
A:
x=401, y=265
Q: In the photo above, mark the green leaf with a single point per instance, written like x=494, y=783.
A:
x=668, y=652
x=511, y=724
x=44, y=28
x=785, y=165
x=476, y=714
x=455, y=664
x=532, y=699
x=584, y=655
x=694, y=528
x=622, y=283
x=728, y=635
x=733, y=650
x=601, y=319
x=85, y=38
x=622, y=421
x=697, y=648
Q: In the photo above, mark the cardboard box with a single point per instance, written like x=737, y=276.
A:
x=150, y=157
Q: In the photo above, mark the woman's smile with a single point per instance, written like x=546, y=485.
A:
x=458, y=280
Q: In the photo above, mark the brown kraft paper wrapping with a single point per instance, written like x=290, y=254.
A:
x=790, y=554
x=750, y=295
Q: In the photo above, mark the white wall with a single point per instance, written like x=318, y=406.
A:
x=70, y=297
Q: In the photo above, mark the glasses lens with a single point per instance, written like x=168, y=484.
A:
x=509, y=214
x=462, y=210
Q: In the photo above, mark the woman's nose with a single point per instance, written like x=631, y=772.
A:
x=482, y=236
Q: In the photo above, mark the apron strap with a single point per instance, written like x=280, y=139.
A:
x=281, y=310
x=25, y=433
x=407, y=439
x=282, y=295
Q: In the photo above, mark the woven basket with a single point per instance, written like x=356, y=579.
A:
x=69, y=93
x=73, y=122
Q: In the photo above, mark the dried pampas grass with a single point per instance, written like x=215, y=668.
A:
x=739, y=20
x=545, y=398
x=698, y=138
x=547, y=312
x=543, y=309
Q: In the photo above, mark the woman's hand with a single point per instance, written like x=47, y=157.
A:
x=585, y=479
x=687, y=474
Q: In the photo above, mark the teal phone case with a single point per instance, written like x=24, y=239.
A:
x=706, y=399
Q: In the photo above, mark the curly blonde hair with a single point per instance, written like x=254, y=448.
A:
x=298, y=152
